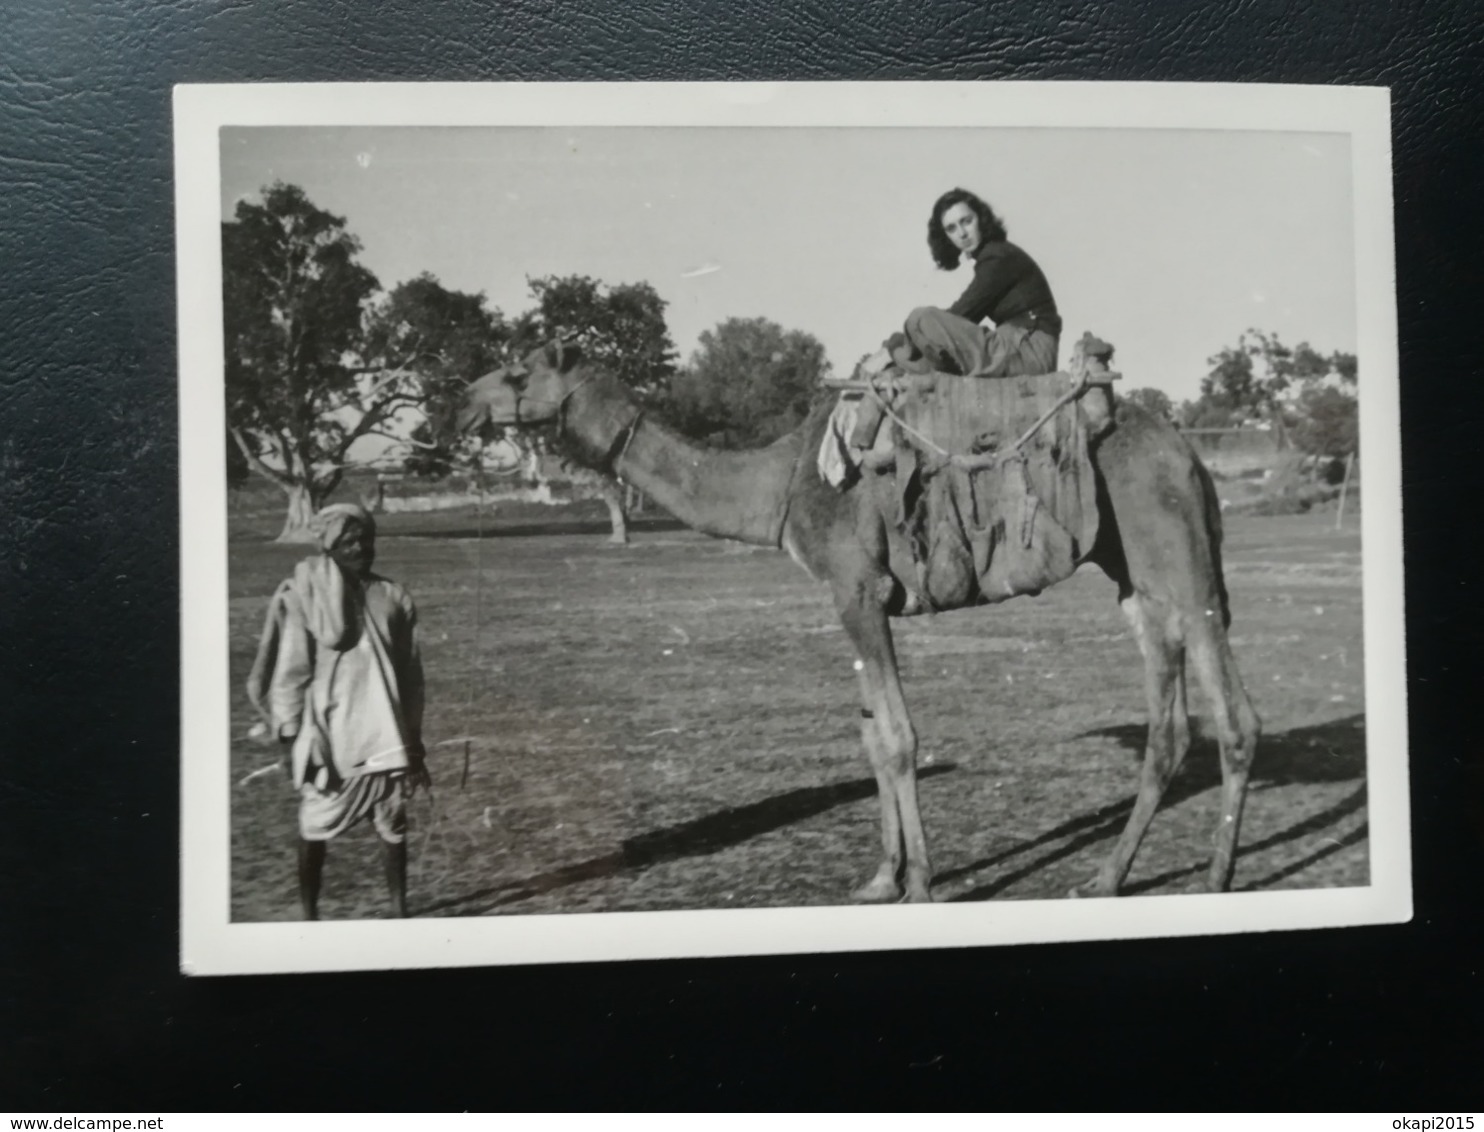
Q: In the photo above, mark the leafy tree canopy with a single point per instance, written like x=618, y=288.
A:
x=1327, y=421
x=443, y=339
x=313, y=362
x=1304, y=395
x=748, y=383
x=621, y=327
x=1155, y=401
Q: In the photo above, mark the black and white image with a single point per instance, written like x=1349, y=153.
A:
x=633, y=521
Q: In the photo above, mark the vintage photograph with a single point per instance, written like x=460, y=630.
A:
x=646, y=520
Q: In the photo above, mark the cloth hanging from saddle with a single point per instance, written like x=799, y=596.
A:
x=986, y=520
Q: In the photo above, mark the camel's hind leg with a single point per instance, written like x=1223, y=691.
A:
x=1161, y=542
x=1156, y=628
x=891, y=744
x=1237, y=728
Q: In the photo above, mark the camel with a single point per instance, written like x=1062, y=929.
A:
x=1159, y=541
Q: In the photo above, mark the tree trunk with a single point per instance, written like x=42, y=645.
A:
x=612, y=495
x=1280, y=428
x=633, y=500
x=303, y=503
x=1344, y=490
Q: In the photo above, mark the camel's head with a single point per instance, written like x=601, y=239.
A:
x=528, y=392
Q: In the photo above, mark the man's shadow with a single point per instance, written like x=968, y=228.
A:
x=1324, y=753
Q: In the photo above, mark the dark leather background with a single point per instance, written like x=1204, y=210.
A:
x=92, y=1012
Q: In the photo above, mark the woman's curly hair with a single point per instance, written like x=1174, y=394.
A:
x=945, y=252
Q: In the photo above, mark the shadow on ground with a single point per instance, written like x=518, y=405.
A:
x=545, y=527
x=1325, y=753
x=697, y=838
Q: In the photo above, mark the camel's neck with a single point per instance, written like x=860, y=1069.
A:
x=738, y=495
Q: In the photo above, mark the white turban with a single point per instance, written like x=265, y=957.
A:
x=331, y=522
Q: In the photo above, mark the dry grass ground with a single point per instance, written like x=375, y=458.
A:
x=674, y=725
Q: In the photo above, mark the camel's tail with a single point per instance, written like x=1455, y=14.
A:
x=1212, y=509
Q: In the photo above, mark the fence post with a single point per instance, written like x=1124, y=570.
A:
x=1344, y=490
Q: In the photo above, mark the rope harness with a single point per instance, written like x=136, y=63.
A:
x=977, y=460
x=949, y=522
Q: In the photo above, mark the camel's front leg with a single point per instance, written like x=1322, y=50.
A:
x=891, y=745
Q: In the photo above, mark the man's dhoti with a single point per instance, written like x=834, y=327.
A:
x=324, y=814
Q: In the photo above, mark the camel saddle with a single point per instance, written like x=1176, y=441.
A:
x=994, y=484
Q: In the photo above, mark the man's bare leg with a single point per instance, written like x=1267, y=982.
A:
x=311, y=870
x=395, y=856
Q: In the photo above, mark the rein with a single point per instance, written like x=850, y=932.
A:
x=559, y=402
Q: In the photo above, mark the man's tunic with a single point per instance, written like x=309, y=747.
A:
x=339, y=665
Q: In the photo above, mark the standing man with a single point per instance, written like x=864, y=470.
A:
x=340, y=679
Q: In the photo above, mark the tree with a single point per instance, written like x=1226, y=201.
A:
x=621, y=328
x=292, y=293
x=238, y=471
x=1345, y=367
x=1327, y=409
x=440, y=340
x=1258, y=379
x=1232, y=387
x=748, y=383
x=1156, y=402
x=311, y=366
x=1329, y=421
x=1307, y=396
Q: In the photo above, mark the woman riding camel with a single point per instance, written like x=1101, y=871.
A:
x=1008, y=289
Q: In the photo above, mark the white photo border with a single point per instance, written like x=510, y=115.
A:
x=212, y=944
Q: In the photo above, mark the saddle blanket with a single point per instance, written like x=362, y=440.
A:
x=994, y=500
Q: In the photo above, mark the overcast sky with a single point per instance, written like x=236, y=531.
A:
x=1168, y=243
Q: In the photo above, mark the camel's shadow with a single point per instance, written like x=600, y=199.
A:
x=1324, y=753
x=697, y=838
x=650, y=525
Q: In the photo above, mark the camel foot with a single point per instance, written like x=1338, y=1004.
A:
x=1093, y=889
x=1217, y=880
x=919, y=886
x=878, y=890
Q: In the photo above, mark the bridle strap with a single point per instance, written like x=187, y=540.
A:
x=561, y=413
x=628, y=438
x=621, y=439
x=560, y=402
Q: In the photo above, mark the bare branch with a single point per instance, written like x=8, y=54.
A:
x=282, y=479
x=389, y=436
x=401, y=367
x=330, y=482
x=374, y=416
x=283, y=446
